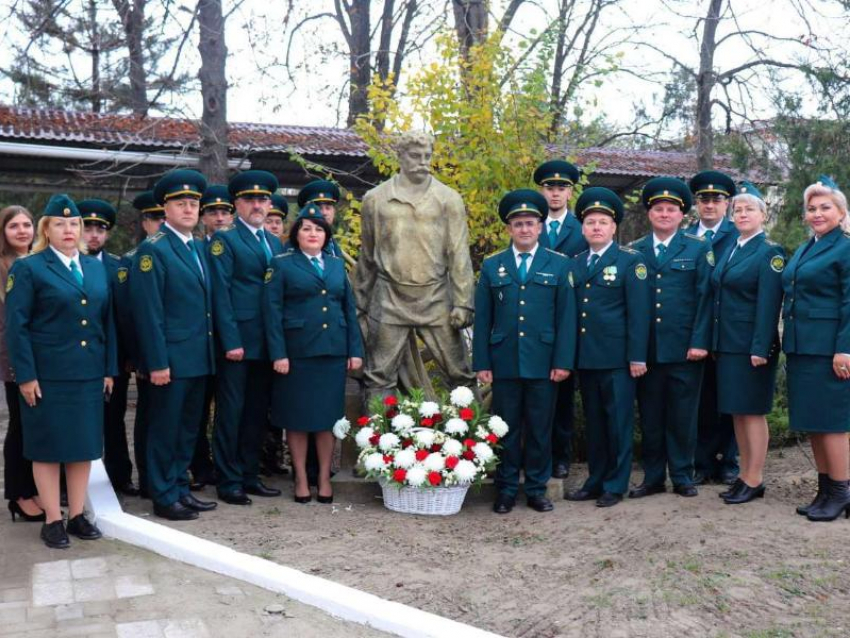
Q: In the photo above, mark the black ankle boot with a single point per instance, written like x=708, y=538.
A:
x=837, y=500
x=804, y=509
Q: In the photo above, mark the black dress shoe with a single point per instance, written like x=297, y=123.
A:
x=175, y=512
x=261, y=490
x=803, y=510
x=127, y=489
x=198, y=505
x=236, y=497
x=608, y=499
x=647, y=490
x=581, y=495
x=835, y=503
x=504, y=504
x=686, y=490
x=745, y=494
x=327, y=500
x=83, y=529
x=734, y=488
x=53, y=534
x=540, y=504
x=16, y=510
x=561, y=470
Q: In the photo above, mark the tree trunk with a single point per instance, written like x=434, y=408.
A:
x=133, y=21
x=96, y=89
x=360, y=59
x=706, y=79
x=213, y=50
x=470, y=23
x=558, y=69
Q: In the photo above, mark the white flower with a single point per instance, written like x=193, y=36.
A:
x=402, y=422
x=462, y=397
x=424, y=438
x=341, y=428
x=405, y=458
x=483, y=452
x=439, y=437
x=465, y=472
x=428, y=409
x=416, y=475
x=363, y=436
x=374, y=462
x=481, y=432
x=435, y=462
x=388, y=441
x=497, y=426
x=456, y=426
x=452, y=447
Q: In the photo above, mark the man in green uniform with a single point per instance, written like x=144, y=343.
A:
x=524, y=344
x=613, y=306
x=216, y=210
x=679, y=266
x=239, y=258
x=325, y=195
x=172, y=302
x=561, y=233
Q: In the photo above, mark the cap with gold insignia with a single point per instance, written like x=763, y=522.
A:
x=712, y=183
x=598, y=199
x=216, y=196
x=828, y=182
x=61, y=206
x=668, y=189
x=280, y=206
x=524, y=201
x=748, y=188
x=556, y=173
x=97, y=211
x=178, y=184
x=319, y=191
x=252, y=183
x=312, y=213
x=147, y=205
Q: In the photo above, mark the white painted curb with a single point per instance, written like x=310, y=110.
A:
x=338, y=600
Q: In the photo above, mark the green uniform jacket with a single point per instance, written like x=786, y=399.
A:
x=724, y=238
x=680, y=296
x=816, y=313
x=613, y=309
x=570, y=239
x=124, y=310
x=308, y=315
x=523, y=331
x=748, y=298
x=57, y=329
x=237, y=267
x=172, y=306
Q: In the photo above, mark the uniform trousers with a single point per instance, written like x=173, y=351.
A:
x=140, y=431
x=562, y=423
x=526, y=405
x=668, y=397
x=17, y=469
x=717, y=449
x=202, y=467
x=116, y=455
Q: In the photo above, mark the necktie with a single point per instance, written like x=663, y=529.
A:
x=661, y=251
x=523, y=266
x=191, y=246
x=709, y=235
x=553, y=232
x=332, y=248
x=318, y=266
x=76, y=272
x=592, y=262
x=261, y=236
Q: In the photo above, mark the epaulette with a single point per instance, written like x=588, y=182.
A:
x=497, y=252
x=113, y=255
x=22, y=257
x=156, y=237
x=131, y=252
x=631, y=251
x=289, y=254
x=584, y=252
x=555, y=252
x=770, y=242
x=228, y=229
x=697, y=237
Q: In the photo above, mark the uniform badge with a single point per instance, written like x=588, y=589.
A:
x=146, y=263
x=10, y=283
x=570, y=279
x=777, y=264
x=502, y=272
x=217, y=248
x=122, y=275
x=268, y=276
x=709, y=257
x=640, y=271
x=609, y=273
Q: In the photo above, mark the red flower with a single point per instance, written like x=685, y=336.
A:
x=467, y=414
x=437, y=417
x=374, y=439
x=436, y=447
x=426, y=422
x=399, y=475
x=468, y=443
x=388, y=458
x=435, y=478
x=421, y=455
x=363, y=420
x=469, y=455
x=391, y=413
x=451, y=462
x=406, y=444
x=390, y=401
x=491, y=438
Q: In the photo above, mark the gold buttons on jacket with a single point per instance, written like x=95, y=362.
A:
x=584, y=329
x=83, y=344
x=658, y=320
x=521, y=334
x=584, y=314
x=324, y=292
x=83, y=301
x=521, y=302
x=658, y=305
x=522, y=287
x=522, y=318
x=84, y=322
x=324, y=308
x=325, y=326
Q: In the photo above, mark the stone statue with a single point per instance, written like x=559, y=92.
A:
x=414, y=274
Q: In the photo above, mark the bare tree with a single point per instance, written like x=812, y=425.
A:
x=132, y=15
x=213, y=126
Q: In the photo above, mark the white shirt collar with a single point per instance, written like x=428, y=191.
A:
x=702, y=228
x=248, y=226
x=99, y=256
x=186, y=238
x=743, y=242
x=67, y=260
x=601, y=251
x=666, y=242
x=531, y=252
x=560, y=217
x=319, y=257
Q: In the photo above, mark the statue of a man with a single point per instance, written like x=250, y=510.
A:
x=414, y=273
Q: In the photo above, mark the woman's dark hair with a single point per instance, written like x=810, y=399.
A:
x=321, y=223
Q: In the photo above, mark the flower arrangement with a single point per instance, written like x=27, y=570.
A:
x=409, y=441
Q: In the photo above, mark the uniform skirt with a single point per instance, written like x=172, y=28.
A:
x=742, y=388
x=818, y=401
x=66, y=424
x=311, y=397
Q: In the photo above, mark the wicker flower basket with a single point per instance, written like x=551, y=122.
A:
x=435, y=501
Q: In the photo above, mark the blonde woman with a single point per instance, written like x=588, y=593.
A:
x=61, y=338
